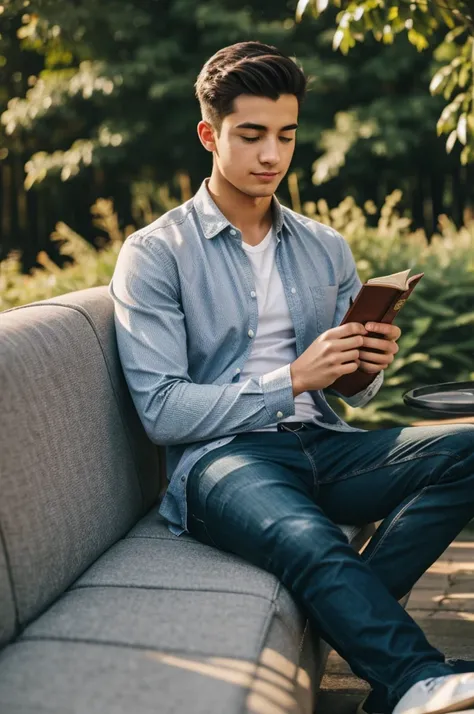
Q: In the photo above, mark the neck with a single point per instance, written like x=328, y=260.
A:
x=247, y=213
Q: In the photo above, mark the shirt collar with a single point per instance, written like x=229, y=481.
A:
x=213, y=220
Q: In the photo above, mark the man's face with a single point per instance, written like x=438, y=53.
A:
x=254, y=149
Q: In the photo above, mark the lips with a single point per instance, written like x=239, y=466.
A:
x=268, y=174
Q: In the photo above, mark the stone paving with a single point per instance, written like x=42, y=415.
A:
x=442, y=603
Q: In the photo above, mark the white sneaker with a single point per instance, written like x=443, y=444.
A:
x=439, y=695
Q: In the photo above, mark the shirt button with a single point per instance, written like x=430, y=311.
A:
x=253, y=293
x=250, y=333
x=293, y=290
x=183, y=478
x=233, y=232
x=237, y=371
x=279, y=415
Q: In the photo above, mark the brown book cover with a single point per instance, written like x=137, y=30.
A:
x=379, y=300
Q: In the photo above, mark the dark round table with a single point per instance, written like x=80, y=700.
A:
x=448, y=399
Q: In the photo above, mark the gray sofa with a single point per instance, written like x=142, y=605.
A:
x=102, y=610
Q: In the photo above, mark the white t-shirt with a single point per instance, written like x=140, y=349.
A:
x=275, y=342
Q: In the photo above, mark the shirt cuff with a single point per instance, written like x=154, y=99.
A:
x=277, y=390
x=362, y=398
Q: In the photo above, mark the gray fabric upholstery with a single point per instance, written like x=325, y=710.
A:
x=76, y=469
x=96, y=305
x=60, y=677
x=173, y=564
x=147, y=593
x=142, y=617
x=7, y=606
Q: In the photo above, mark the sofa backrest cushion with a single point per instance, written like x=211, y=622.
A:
x=76, y=467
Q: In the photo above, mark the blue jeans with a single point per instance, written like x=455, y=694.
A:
x=274, y=498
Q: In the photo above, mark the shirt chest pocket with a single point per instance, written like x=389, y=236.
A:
x=325, y=303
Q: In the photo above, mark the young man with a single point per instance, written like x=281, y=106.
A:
x=227, y=311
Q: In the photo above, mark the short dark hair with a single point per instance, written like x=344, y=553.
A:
x=246, y=68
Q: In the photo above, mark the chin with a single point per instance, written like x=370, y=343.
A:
x=259, y=191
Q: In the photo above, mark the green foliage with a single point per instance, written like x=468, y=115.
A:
x=116, y=88
x=437, y=322
x=421, y=20
x=89, y=266
x=117, y=82
x=97, y=99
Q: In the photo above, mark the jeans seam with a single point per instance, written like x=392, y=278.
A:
x=397, y=462
x=393, y=523
x=313, y=465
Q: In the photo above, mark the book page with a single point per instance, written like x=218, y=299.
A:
x=396, y=280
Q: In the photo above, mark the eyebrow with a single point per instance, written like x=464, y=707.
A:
x=261, y=127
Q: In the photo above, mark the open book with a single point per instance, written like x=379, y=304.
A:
x=379, y=300
x=401, y=281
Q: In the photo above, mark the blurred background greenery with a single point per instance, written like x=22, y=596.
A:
x=98, y=137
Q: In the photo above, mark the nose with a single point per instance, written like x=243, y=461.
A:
x=270, y=153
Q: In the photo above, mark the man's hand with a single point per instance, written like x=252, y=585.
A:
x=332, y=354
x=372, y=362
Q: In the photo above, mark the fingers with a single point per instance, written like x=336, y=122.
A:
x=349, y=356
x=349, y=343
x=391, y=332
x=344, y=339
x=375, y=358
x=386, y=346
x=348, y=367
x=347, y=330
x=370, y=368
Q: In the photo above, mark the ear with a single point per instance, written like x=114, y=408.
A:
x=206, y=135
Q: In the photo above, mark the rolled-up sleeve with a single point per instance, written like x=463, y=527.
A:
x=151, y=337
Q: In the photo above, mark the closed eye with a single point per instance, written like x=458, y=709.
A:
x=283, y=139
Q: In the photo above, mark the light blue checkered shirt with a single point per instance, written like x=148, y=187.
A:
x=185, y=315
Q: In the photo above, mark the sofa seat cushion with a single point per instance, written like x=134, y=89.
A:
x=165, y=624
x=198, y=623
x=152, y=557
x=89, y=678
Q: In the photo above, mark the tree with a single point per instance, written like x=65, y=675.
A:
x=103, y=106
x=422, y=20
